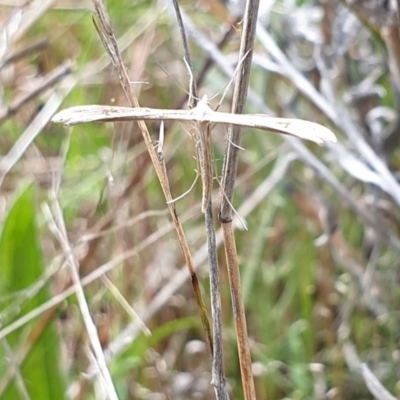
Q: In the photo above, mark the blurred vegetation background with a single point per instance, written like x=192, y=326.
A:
x=320, y=256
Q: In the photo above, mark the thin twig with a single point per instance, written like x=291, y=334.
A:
x=204, y=156
x=49, y=80
x=239, y=101
x=209, y=62
x=60, y=232
x=14, y=371
x=226, y=195
x=31, y=13
x=29, y=135
x=351, y=357
x=37, y=45
x=193, y=88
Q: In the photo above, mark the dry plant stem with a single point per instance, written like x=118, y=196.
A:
x=48, y=81
x=339, y=116
x=343, y=122
x=37, y=45
x=398, y=11
x=124, y=338
x=52, y=104
x=173, y=284
x=108, y=39
x=204, y=156
x=351, y=357
x=31, y=14
x=324, y=172
x=44, y=116
x=193, y=88
x=254, y=199
x=14, y=373
x=228, y=181
x=238, y=311
x=201, y=132
x=60, y=231
x=217, y=373
x=391, y=37
x=238, y=104
x=209, y=62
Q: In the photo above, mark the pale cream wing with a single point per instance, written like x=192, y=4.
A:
x=96, y=113
x=289, y=126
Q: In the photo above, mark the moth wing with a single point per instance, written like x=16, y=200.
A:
x=92, y=113
x=96, y=113
x=289, y=126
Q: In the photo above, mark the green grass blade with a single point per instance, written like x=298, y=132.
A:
x=36, y=356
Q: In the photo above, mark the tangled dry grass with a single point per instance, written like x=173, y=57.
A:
x=95, y=297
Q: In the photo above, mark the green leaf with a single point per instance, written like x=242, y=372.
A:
x=21, y=267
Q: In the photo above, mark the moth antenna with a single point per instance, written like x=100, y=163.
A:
x=172, y=79
x=191, y=81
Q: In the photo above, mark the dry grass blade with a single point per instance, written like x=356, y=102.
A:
x=202, y=113
x=49, y=80
x=59, y=230
x=202, y=135
x=32, y=11
x=109, y=41
x=226, y=195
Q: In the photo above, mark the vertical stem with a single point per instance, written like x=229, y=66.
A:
x=218, y=377
x=202, y=135
x=226, y=195
x=238, y=312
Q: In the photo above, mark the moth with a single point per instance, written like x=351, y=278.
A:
x=202, y=115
